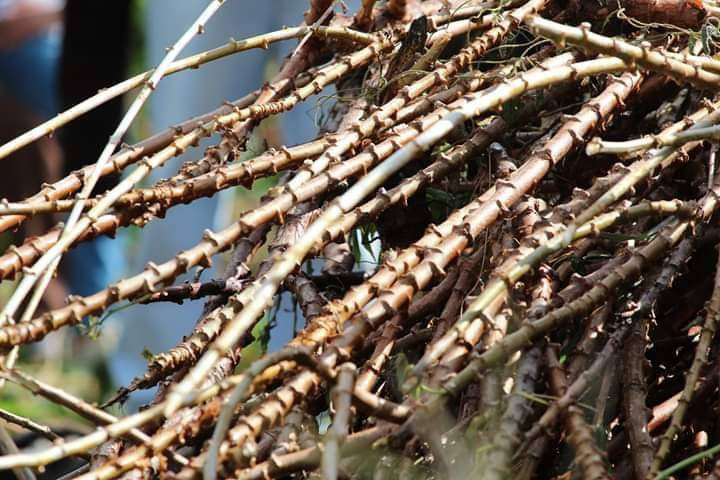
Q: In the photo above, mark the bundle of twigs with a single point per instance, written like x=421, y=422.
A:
x=544, y=304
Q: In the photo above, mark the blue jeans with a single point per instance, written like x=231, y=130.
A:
x=28, y=72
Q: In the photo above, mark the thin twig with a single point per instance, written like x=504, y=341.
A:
x=28, y=424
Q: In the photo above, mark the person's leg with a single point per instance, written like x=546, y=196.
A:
x=92, y=266
x=94, y=56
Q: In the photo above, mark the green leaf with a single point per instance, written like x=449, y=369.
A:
x=148, y=355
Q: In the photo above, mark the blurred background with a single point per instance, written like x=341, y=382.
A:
x=55, y=53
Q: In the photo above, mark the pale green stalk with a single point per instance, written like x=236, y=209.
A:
x=642, y=55
x=673, y=140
